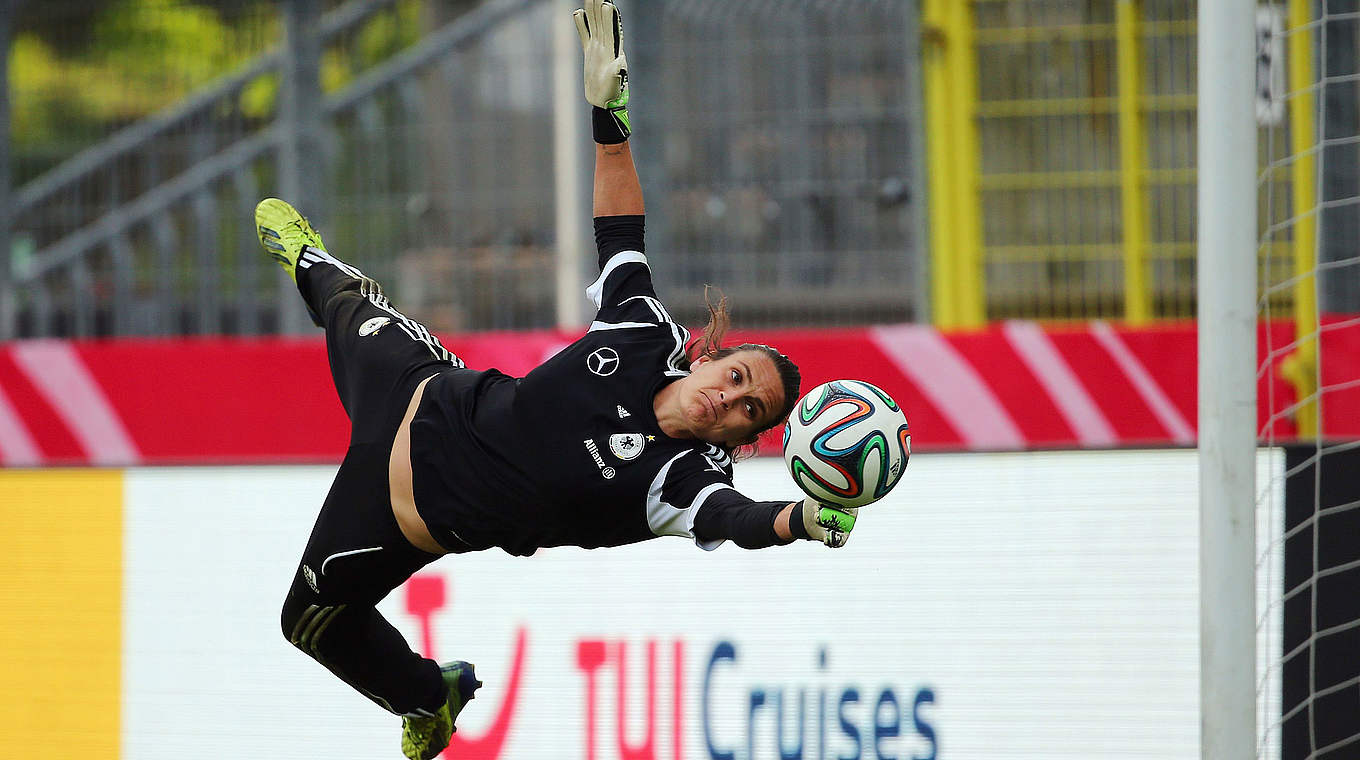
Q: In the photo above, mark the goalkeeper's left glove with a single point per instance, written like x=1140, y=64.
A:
x=606, y=70
x=830, y=525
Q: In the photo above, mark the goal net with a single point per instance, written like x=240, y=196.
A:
x=1308, y=509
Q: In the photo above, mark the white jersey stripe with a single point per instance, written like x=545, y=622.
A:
x=659, y=307
x=651, y=304
x=337, y=263
x=662, y=517
x=597, y=325
x=409, y=332
x=719, y=456
x=412, y=328
x=596, y=289
x=690, y=514
x=338, y=555
x=681, y=335
x=670, y=520
x=678, y=353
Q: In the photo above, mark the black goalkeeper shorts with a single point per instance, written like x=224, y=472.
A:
x=378, y=356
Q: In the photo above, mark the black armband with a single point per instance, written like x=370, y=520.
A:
x=605, y=128
x=796, y=526
x=618, y=233
x=748, y=524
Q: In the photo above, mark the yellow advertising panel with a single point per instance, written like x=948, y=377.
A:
x=61, y=591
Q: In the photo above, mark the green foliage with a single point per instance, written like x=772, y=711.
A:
x=259, y=96
x=141, y=56
x=76, y=76
x=381, y=37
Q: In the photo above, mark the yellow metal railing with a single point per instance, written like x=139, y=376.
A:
x=1300, y=368
x=939, y=144
x=1081, y=106
x=1062, y=167
x=1056, y=168
x=1133, y=160
x=951, y=95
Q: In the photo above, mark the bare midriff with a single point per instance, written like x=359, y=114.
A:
x=400, y=482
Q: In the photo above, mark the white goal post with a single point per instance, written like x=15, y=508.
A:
x=1227, y=239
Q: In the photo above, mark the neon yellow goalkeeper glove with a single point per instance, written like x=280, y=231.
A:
x=830, y=525
x=606, y=70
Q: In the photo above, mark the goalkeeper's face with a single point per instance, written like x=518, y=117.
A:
x=731, y=400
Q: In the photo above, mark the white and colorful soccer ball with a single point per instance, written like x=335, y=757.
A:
x=846, y=443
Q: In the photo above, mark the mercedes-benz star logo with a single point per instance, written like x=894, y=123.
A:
x=603, y=362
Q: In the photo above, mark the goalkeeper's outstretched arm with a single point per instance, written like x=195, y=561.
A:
x=758, y=524
x=618, y=212
x=617, y=190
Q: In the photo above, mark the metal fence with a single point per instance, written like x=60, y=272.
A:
x=785, y=156
x=442, y=145
x=778, y=161
x=1087, y=183
x=147, y=231
x=1071, y=126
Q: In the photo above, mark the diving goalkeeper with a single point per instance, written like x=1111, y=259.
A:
x=627, y=434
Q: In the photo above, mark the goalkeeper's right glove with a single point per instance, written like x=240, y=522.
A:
x=830, y=525
x=606, y=70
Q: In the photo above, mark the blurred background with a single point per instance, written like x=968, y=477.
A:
x=986, y=207
x=782, y=147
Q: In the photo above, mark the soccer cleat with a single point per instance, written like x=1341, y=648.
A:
x=284, y=233
x=424, y=737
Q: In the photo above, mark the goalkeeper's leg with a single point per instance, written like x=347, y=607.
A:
x=356, y=555
x=377, y=354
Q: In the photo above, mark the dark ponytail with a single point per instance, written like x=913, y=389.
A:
x=710, y=341
x=709, y=344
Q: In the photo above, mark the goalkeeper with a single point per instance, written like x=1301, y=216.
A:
x=625, y=435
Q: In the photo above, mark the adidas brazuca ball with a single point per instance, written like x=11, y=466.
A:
x=846, y=443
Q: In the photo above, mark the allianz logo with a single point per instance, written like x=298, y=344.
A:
x=605, y=470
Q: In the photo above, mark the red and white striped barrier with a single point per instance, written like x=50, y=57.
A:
x=1013, y=385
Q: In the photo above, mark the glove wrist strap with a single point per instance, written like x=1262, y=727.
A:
x=797, y=527
x=807, y=516
x=606, y=127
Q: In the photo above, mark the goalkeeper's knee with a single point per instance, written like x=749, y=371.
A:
x=305, y=624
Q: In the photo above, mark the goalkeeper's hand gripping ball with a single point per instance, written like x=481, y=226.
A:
x=830, y=525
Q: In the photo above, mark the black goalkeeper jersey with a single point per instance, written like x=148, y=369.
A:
x=572, y=453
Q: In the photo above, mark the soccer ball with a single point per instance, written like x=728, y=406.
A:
x=846, y=443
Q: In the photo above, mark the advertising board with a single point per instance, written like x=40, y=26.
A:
x=1013, y=605
x=1014, y=385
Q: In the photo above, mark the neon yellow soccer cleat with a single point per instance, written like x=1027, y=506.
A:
x=424, y=737
x=284, y=233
